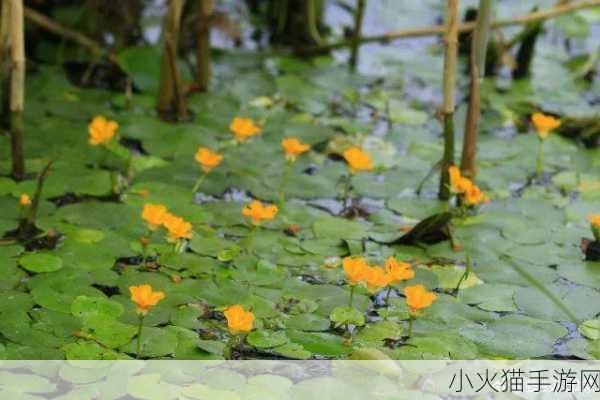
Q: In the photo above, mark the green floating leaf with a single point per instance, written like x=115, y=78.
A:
x=374, y=334
x=89, y=351
x=212, y=346
x=320, y=343
x=108, y=331
x=41, y=262
x=339, y=228
x=155, y=342
x=293, y=351
x=85, y=306
x=7, y=186
x=529, y=337
x=308, y=322
x=590, y=329
x=450, y=275
x=204, y=392
x=151, y=387
x=143, y=64
x=347, y=315
x=491, y=297
x=26, y=383
x=594, y=349
x=264, y=339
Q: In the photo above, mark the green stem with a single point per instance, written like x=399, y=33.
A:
x=346, y=182
x=464, y=276
x=233, y=342
x=179, y=246
x=351, y=300
x=540, y=160
x=199, y=182
x=358, y=19
x=541, y=286
x=139, y=336
x=387, y=296
x=311, y=16
x=481, y=34
x=448, y=158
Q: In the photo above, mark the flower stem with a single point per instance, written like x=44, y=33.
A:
x=346, y=181
x=540, y=160
x=139, y=336
x=351, y=300
x=179, y=246
x=233, y=342
x=199, y=182
x=387, y=296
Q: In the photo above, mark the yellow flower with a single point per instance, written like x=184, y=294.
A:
x=208, y=159
x=356, y=269
x=595, y=221
x=544, y=124
x=292, y=148
x=474, y=196
x=357, y=160
x=24, y=200
x=238, y=319
x=144, y=297
x=259, y=212
x=101, y=130
x=177, y=227
x=243, y=128
x=376, y=278
x=458, y=183
x=154, y=215
x=417, y=297
x=397, y=270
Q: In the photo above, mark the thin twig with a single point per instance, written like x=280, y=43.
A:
x=467, y=27
x=52, y=26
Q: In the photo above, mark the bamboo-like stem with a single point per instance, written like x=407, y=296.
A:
x=481, y=34
x=180, y=104
x=467, y=27
x=205, y=11
x=450, y=57
x=17, y=87
x=358, y=20
x=469, y=150
x=477, y=70
x=311, y=21
x=5, y=58
x=170, y=96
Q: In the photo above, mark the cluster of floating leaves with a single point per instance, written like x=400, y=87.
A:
x=263, y=271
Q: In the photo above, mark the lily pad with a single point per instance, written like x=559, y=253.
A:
x=41, y=262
